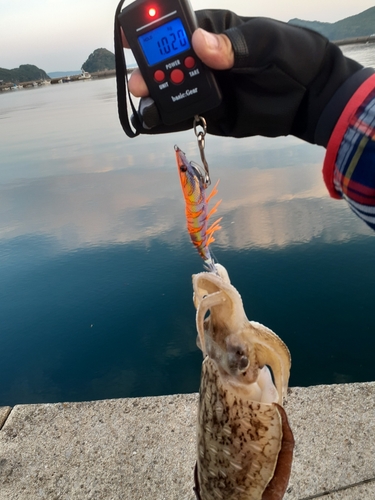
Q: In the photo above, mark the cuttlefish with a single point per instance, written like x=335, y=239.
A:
x=244, y=442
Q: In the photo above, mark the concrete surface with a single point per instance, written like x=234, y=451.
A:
x=4, y=412
x=144, y=448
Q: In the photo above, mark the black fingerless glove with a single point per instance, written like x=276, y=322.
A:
x=285, y=80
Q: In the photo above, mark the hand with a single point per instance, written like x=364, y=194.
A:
x=276, y=79
x=214, y=50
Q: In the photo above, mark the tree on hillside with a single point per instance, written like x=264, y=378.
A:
x=99, y=60
x=25, y=73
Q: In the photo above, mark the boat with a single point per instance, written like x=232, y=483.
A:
x=84, y=75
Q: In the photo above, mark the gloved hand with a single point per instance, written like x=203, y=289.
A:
x=281, y=80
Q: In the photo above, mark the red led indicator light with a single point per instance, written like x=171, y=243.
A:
x=152, y=12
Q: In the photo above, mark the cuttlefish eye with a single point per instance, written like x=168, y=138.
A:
x=243, y=362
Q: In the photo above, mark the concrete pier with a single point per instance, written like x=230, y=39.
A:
x=356, y=40
x=110, y=73
x=144, y=448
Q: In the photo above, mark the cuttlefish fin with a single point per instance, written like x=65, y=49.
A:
x=277, y=486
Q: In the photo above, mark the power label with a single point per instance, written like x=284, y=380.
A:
x=159, y=34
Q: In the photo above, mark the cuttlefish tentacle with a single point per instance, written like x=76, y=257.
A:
x=206, y=303
x=270, y=350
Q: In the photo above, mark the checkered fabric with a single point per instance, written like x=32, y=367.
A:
x=349, y=169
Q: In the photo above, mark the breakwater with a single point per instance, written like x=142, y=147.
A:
x=85, y=76
x=8, y=86
x=356, y=40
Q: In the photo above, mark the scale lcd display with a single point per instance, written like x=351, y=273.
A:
x=164, y=42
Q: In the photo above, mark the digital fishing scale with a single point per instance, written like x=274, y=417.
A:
x=159, y=34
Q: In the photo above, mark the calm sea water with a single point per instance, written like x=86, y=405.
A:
x=96, y=264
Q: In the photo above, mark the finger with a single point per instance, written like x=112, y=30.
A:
x=214, y=50
x=137, y=85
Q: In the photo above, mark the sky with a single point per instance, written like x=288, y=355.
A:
x=59, y=35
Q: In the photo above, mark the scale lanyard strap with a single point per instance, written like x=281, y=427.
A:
x=121, y=78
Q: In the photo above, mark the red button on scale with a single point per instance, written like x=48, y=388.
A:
x=189, y=62
x=159, y=75
x=177, y=76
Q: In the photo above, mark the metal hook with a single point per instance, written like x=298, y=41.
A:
x=200, y=121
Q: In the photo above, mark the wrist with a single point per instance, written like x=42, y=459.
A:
x=333, y=110
x=346, y=135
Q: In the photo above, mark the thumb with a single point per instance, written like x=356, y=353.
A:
x=214, y=50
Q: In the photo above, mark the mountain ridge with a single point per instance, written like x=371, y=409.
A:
x=59, y=74
x=362, y=24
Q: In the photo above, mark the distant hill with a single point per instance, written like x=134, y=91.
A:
x=59, y=74
x=362, y=24
x=25, y=73
x=99, y=60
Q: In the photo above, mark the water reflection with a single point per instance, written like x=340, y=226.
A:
x=95, y=295
x=275, y=200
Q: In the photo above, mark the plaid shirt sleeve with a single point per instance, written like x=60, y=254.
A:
x=349, y=165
